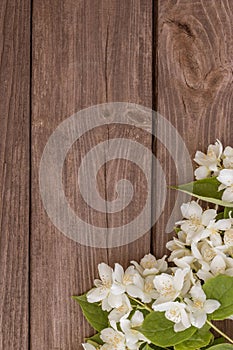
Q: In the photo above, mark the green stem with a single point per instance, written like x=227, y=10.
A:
x=219, y=331
x=140, y=303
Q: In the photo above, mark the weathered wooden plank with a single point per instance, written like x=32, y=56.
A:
x=194, y=81
x=84, y=53
x=14, y=172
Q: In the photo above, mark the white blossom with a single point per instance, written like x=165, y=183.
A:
x=132, y=336
x=113, y=339
x=213, y=230
x=149, y=265
x=143, y=288
x=102, y=292
x=122, y=311
x=178, y=246
x=226, y=179
x=228, y=157
x=221, y=264
x=121, y=279
x=175, y=312
x=228, y=238
x=195, y=220
x=169, y=287
x=208, y=163
x=199, y=307
x=203, y=251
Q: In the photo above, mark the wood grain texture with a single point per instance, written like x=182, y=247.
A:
x=14, y=172
x=194, y=82
x=84, y=53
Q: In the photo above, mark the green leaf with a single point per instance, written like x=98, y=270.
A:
x=221, y=347
x=220, y=288
x=206, y=190
x=95, y=339
x=160, y=331
x=97, y=318
x=227, y=211
x=150, y=347
x=216, y=341
x=220, y=216
x=202, y=337
x=177, y=229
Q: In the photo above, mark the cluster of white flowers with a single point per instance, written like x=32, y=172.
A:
x=217, y=162
x=128, y=338
x=203, y=243
x=150, y=285
x=201, y=249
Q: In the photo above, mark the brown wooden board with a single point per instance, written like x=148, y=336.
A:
x=84, y=53
x=14, y=172
x=194, y=67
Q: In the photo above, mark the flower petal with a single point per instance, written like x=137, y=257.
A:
x=163, y=306
x=87, y=346
x=135, y=292
x=211, y=305
x=217, y=265
x=228, y=194
x=137, y=319
x=223, y=224
x=118, y=273
x=114, y=300
x=191, y=209
x=199, y=319
x=97, y=294
x=105, y=272
x=207, y=216
x=202, y=172
x=226, y=177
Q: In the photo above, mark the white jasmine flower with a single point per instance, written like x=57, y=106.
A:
x=102, y=292
x=199, y=307
x=202, y=172
x=132, y=336
x=229, y=269
x=204, y=274
x=143, y=288
x=228, y=157
x=228, y=238
x=122, y=311
x=213, y=231
x=121, y=279
x=226, y=179
x=175, y=312
x=113, y=339
x=203, y=251
x=195, y=220
x=149, y=265
x=178, y=247
x=169, y=287
x=186, y=263
x=227, y=247
x=210, y=162
x=218, y=265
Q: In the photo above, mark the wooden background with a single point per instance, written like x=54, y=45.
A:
x=58, y=57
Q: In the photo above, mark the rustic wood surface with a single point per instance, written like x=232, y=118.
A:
x=173, y=56
x=194, y=83
x=14, y=172
x=84, y=53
